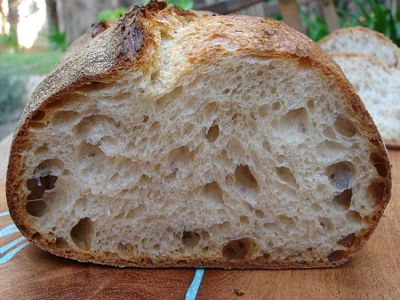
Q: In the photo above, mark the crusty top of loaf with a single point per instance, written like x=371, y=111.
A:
x=131, y=43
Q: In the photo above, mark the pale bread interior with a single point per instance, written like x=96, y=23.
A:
x=365, y=42
x=379, y=89
x=244, y=158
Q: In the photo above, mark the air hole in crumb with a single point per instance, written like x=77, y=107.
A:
x=336, y=255
x=259, y=214
x=155, y=75
x=354, y=216
x=48, y=181
x=244, y=220
x=266, y=255
x=212, y=133
x=145, y=119
x=343, y=200
x=347, y=241
x=190, y=238
x=245, y=178
x=125, y=249
x=285, y=221
x=61, y=243
x=36, y=189
x=295, y=120
x=263, y=110
x=154, y=128
x=326, y=224
x=144, y=180
x=287, y=176
x=38, y=116
x=36, y=236
x=376, y=190
x=266, y=146
x=276, y=106
x=226, y=91
x=136, y=212
x=210, y=109
x=340, y=175
x=89, y=152
x=167, y=99
x=345, y=127
x=42, y=149
x=49, y=166
x=235, y=150
x=180, y=156
x=329, y=133
x=213, y=192
x=81, y=233
x=380, y=164
x=36, y=208
x=62, y=118
x=310, y=104
x=239, y=249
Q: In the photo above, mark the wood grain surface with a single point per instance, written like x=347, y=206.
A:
x=374, y=273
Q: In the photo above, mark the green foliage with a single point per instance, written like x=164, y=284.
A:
x=182, y=4
x=316, y=25
x=379, y=17
x=57, y=40
x=12, y=92
x=371, y=14
x=26, y=63
x=114, y=15
x=111, y=15
x=9, y=41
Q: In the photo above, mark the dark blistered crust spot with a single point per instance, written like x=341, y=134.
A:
x=99, y=27
x=132, y=34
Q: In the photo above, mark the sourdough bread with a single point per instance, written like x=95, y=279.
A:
x=363, y=40
x=171, y=139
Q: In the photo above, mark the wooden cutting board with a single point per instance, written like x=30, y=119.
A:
x=374, y=273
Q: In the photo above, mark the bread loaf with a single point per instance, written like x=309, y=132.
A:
x=171, y=139
x=370, y=62
x=365, y=41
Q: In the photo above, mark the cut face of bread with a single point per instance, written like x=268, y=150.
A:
x=364, y=41
x=227, y=149
x=379, y=89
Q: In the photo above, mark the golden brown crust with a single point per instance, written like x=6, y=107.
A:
x=352, y=30
x=127, y=45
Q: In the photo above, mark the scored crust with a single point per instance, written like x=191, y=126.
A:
x=127, y=45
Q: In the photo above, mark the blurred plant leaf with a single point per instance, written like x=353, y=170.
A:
x=111, y=15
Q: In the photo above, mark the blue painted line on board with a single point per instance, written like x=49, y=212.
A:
x=191, y=293
x=10, y=245
x=11, y=254
x=5, y=213
x=10, y=229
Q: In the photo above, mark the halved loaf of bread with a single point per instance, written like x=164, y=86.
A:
x=379, y=89
x=171, y=139
x=363, y=40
